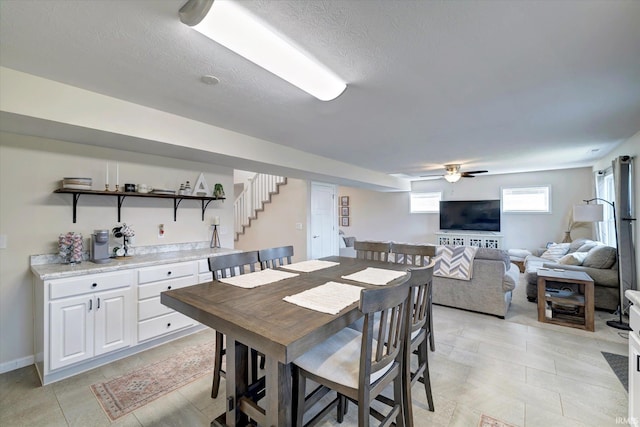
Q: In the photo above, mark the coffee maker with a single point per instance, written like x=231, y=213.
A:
x=100, y=247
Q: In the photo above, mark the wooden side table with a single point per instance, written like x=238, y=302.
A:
x=571, y=309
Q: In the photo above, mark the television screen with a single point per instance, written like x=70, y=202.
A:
x=476, y=215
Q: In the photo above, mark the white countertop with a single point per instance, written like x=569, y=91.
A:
x=633, y=296
x=57, y=271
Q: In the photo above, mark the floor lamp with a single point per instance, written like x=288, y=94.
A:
x=594, y=213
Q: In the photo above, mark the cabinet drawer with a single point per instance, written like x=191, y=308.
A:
x=153, y=289
x=205, y=277
x=168, y=271
x=168, y=323
x=634, y=318
x=203, y=266
x=151, y=307
x=61, y=288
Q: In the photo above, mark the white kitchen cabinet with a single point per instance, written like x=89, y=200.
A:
x=95, y=320
x=204, y=274
x=634, y=365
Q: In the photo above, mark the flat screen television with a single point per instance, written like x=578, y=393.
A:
x=473, y=215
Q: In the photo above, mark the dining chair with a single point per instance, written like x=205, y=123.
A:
x=377, y=251
x=275, y=257
x=417, y=255
x=419, y=292
x=359, y=365
x=223, y=266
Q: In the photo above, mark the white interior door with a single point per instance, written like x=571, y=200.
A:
x=323, y=221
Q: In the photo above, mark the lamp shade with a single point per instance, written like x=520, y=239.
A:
x=588, y=213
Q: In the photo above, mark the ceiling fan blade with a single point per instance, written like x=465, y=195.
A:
x=465, y=175
x=473, y=172
x=431, y=176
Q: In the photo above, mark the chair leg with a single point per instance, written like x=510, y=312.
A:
x=299, y=385
x=342, y=401
x=432, y=341
x=402, y=400
x=422, y=353
x=217, y=364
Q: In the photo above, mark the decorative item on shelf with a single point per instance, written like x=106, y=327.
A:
x=70, y=248
x=215, y=239
x=201, y=188
x=187, y=189
x=218, y=191
x=74, y=183
x=126, y=233
x=181, y=190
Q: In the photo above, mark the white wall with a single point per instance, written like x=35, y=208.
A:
x=276, y=225
x=385, y=216
x=32, y=216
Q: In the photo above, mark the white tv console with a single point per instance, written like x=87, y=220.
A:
x=481, y=239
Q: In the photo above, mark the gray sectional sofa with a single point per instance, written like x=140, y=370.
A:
x=489, y=290
x=594, y=258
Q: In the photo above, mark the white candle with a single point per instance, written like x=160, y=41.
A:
x=117, y=173
x=216, y=220
x=106, y=175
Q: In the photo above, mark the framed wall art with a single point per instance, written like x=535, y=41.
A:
x=344, y=200
x=344, y=221
x=344, y=211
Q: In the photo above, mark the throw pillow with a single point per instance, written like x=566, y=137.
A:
x=576, y=258
x=555, y=251
x=578, y=243
x=588, y=246
x=600, y=257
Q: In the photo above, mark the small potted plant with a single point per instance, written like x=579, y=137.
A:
x=218, y=191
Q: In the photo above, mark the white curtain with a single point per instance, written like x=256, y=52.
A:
x=605, y=189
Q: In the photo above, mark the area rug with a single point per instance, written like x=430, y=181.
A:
x=124, y=394
x=487, y=421
x=620, y=366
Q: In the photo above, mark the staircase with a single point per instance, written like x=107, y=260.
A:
x=253, y=198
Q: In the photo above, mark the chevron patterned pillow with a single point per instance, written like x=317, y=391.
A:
x=454, y=262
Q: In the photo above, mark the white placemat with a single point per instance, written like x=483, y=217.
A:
x=375, y=276
x=330, y=298
x=259, y=278
x=310, y=265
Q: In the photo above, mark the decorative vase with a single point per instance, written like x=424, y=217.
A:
x=567, y=237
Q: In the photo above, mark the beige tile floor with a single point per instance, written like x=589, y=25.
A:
x=516, y=370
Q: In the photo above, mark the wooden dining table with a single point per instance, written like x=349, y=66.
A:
x=259, y=319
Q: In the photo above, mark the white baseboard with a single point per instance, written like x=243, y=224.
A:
x=16, y=364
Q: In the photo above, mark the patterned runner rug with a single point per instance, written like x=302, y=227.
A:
x=487, y=421
x=124, y=394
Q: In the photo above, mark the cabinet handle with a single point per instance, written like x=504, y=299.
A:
x=168, y=273
x=94, y=285
x=168, y=325
x=98, y=306
x=90, y=304
x=638, y=363
x=169, y=287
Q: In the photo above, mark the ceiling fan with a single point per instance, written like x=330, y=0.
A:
x=453, y=173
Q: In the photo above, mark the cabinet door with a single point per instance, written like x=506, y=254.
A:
x=113, y=320
x=634, y=378
x=71, y=330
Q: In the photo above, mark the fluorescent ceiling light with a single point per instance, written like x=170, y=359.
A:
x=227, y=23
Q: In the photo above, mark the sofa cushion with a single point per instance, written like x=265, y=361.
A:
x=576, y=258
x=494, y=254
x=575, y=245
x=555, y=251
x=588, y=246
x=600, y=256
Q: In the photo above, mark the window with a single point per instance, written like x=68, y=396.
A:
x=426, y=202
x=605, y=190
x=526, y=199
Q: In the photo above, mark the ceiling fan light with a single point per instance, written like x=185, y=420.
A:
x=232, y=26
x=453, y=177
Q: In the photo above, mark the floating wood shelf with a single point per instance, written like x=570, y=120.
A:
x=177, y=198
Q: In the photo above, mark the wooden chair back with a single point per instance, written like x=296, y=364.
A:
x=275, y=257
x=377, y=251
x=233, y=264
x=420, y=289
x=416, y=255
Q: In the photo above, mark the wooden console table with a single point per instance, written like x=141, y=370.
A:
x=582, y=301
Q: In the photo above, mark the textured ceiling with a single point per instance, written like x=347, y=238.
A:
x=507, y=86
